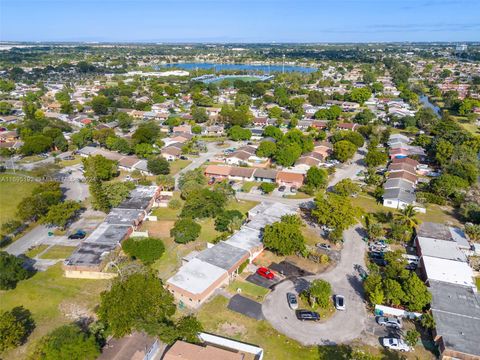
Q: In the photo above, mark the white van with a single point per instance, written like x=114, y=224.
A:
x=412, y=259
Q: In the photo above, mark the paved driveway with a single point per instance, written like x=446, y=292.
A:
x=246, y=306
x=343, y=326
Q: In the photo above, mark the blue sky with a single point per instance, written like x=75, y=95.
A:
x=240, y=20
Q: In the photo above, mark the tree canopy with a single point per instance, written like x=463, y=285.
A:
x=284, y=237
x=146, y=249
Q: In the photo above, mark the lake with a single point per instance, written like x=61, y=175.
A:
x=244, y=67
x=426, y=103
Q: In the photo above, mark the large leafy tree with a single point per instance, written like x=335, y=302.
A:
x=15, y=326
x=158, y=165
x=146, y=249
x=99, y=167
x=316, y=178
x=185, y=230
x=202, y=203
x=334, y=211
x=60, y=214
x=417, y=296
x=284, y=237
x=266, y=149
x=67, y=342
x=287, y=155
x=344, y=150
x=320, y=293
x=138, y=302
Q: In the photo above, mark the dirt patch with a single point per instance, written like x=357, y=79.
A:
x=307, y=265
x=230, y=329
x=75, y=311
x=160, y=229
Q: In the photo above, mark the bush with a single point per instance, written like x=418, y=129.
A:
x=147, y=249
x=319, y=293
x=267, y=188
x=185, y=230
x=15, y=326
x=411, y=338
x=175, y=204
x=67, y=342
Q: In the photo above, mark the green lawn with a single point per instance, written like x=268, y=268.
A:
x=248, y=185
x=248, y=289
x=58, y=252
x=477, y=281
x=36, y=250
x=241, y=205
x=53, y=300
x=177, y=165
x=208, y=232
x=217, y=318
x=13, y=189
x=65, y=163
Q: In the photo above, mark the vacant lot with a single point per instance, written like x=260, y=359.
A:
x=177, y=165
x=53, y=300
x=13, y=189
x=248, y=289
x=159, y=229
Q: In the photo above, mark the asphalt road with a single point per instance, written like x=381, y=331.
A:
x=343, y=326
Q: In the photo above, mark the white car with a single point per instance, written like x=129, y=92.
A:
x=395, y=344
x=339, y=302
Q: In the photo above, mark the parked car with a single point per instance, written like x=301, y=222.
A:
x=324, y=246
x=265, y=272
x=292, y=301
x=183, y=157
x=307, y=315
x=282, y=188
x=411, y=267
x=339, y=302
x=80, y=234
x=211, y=181
x=391, y=322
x=379, y=262
x=375, y=255
x=293, y=189
x=395, y=344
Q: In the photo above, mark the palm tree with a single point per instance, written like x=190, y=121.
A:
x=407, y=216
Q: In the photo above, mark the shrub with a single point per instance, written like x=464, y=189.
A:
x=267, y=188
x=145, y=249
x=319, y=293
x=175, y=204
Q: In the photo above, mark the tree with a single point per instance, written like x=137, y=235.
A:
x=99, y=167
x=354, y=137
x=100, y=104
x=375, y=158
x=199, y=114
x=192, y=176
x=67, y=342
x=143, y=150
x=202, y=203
x=373, y=289
x=284, y=237
x=443, y=151
x=146, y=249
x=238, y=133
x=5, y=108
x=185, y=230
x=334, y=211
x=146, y=133
x=100, y=200
x=60, y=214
x=158, y=165
x=15, y=327
x=411, y=338
x=320, y=293
x=138, y=302
x=82, y=137
x=102, y=135
x=316, y=98
x=364, y=117
x=116, y=192
x=166, y=182
x=266, y=149
x=267, y=188
x=417, y=295
x=473, y=231
x=287, y=155
x=344, y=150
x=228, y=220
x=36, y=205
x=447, y=185
x=316, y=178
x=407, y=216
x=125, y=121
x=187, y=329
x=427, y=321
x=36, y=144
x=394, y=294
x=275, y=112
x=346, y=187
x=273, y=132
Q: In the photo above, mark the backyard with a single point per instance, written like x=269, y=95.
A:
x=13, y=188
x=68, y=300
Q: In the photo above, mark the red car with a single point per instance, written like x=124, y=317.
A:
x=266, y=273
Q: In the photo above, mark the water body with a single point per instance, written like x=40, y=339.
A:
x=426, y=103
x=243, y=67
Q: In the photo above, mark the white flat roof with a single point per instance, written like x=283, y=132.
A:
x=441, y=249
x=246, y=239
x=196, y=276
x=449, y=271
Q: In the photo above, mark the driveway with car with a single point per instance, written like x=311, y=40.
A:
x=344, y=325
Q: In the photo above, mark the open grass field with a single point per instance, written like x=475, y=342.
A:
x=53, y=300
x=177, y=165
x=241, y=205
x=65, y=163
x=36, y=250
x=12, y=190
x=58, y=252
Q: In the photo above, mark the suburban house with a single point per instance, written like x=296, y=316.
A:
x=91, y=257
x=217, y=171
x=125, y=162
x=172, y=151
x=136, y=346
x=455, y=301
x=213, y=347
x=265, y=175
x=290, y=179
x=398, y=198
x=241, y=173
x=348, y=126
x=204, y=272
x=245, y=155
